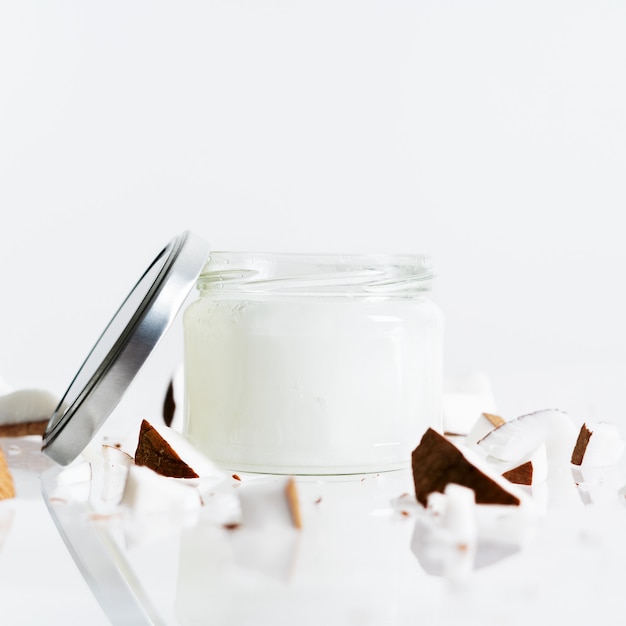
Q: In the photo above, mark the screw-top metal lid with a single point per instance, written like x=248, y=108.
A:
x=124, y=346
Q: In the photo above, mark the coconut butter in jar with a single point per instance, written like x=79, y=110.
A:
x=312, y=364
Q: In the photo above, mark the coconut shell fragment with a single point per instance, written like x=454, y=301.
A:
x=291, y=493
x=521, y=475
x=24, y=429
x=169, y=404
x=7, y=488
x=582, y=442
x=154, y=452
x=599, y=444
x=437, y=463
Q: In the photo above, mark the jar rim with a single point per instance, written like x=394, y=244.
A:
x=327, y=274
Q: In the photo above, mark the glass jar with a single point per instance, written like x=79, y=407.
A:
x=312, y=364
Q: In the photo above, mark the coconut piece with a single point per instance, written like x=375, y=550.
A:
x=155, y=452
x=115, y=465
x=437, y=462
x=528, y=472
x=464, y=400
x=517, y=439
x=157, y=505
x=26, y=412
x=459, y=516
x=7, y=487
x=459, y=535
x=172, y=400
x=459, y=520
x=598, y=445
x=169, y=404
x=445, y=544
x=146, y=491
x=170, y=451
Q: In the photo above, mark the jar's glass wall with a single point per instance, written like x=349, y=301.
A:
x=311, y=384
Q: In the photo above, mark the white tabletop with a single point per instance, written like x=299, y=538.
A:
x=356, y=561
x=39, y=582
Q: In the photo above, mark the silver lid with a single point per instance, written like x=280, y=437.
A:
x=124, y=346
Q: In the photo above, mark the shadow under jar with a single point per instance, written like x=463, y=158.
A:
x=312, y=364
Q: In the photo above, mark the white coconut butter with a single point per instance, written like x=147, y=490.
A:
x=304, y=364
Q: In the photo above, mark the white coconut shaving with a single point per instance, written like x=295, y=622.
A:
x=517, y=439
x=115, y=466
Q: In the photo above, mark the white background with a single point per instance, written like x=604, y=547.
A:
x=489, y=134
